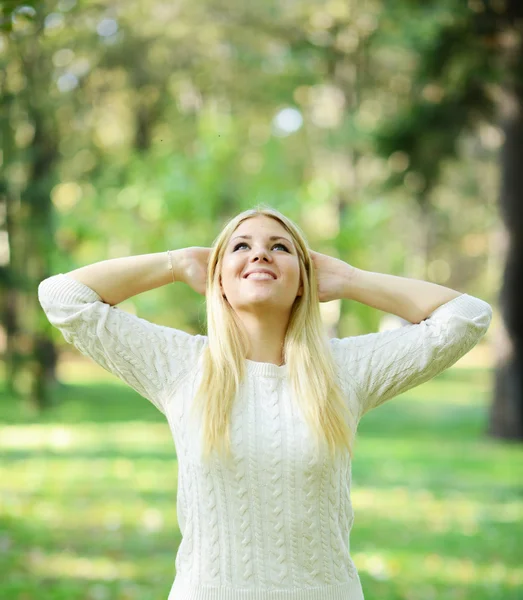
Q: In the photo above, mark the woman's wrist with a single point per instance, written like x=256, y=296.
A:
x=170, y=264
x=351, y=273
x=176, y=258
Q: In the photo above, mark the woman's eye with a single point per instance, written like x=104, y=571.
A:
x=245, y=244
x=282, y=245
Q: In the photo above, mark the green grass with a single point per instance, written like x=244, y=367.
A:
x=88, y=511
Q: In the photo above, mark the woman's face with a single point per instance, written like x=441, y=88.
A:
x=258, y=251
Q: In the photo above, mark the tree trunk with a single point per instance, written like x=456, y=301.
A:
x=31, y=357
x=40, y=360
x=9, y=307
x=506, y=414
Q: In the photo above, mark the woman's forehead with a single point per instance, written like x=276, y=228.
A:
x=260, y=224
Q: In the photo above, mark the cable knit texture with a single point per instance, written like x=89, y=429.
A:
x=272, y=523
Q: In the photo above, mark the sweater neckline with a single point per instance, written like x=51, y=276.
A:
x=265, y=369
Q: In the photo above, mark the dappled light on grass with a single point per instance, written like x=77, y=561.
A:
x=467, y=465
x=414, y=568
x=64, y=438
x=89, y=506
x=65, y=565
x=452, y=512
x=92, y=476
x=81, y=515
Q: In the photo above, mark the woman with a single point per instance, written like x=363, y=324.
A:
x=264, y=409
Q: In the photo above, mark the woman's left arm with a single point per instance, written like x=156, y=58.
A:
x=443, y=326
x=411, y=299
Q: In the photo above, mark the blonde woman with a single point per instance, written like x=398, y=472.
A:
x=263, y=409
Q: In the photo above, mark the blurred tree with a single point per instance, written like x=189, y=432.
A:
x=507, y=407
x=30, y=357
x=470, y=70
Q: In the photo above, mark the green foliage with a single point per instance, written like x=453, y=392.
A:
x=145, y=128
x=460, y=63
x=16, y=10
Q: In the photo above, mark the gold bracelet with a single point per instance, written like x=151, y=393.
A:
x=171, y=265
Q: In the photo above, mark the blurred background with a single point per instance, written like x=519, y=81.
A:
x=391, y=132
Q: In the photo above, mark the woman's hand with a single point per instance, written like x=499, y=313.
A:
x=191, y=267
x=333, y=276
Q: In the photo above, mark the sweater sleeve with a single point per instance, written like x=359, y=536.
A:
x=149, y=358
x=379, y=366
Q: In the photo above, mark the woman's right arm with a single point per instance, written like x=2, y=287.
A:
x=118, y=279
x=150, y=358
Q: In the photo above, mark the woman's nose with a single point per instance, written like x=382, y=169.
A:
x=259, y=254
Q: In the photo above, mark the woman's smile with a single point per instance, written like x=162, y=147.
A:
x=260, y=277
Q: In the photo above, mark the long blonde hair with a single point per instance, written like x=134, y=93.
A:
x=311, y=366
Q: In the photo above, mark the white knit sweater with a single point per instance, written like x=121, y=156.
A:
x=274, y=524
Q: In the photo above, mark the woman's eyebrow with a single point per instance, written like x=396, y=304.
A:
x=272, y=237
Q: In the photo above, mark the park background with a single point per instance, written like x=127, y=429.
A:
x=391, y=132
